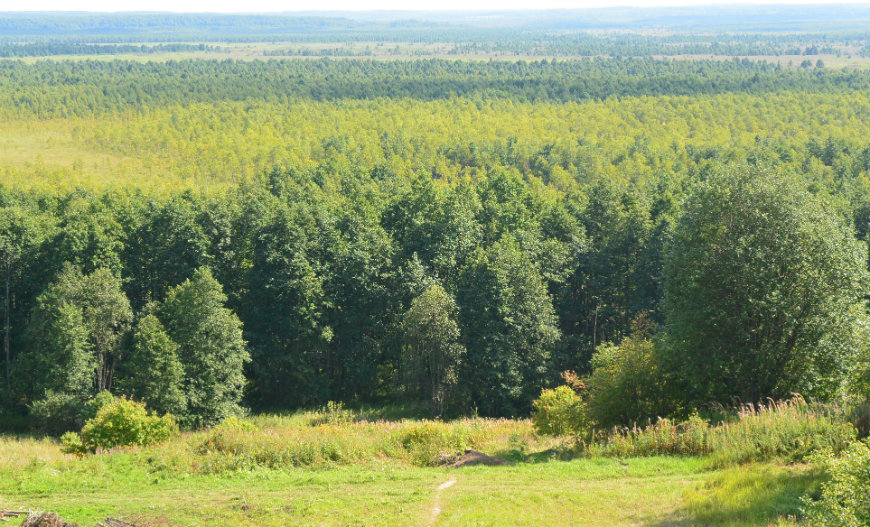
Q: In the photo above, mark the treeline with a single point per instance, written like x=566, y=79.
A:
x=640, y=45
x=475, y=42
x=90, y=88
x=632, y=139
x=341, y=284
x=47, y=49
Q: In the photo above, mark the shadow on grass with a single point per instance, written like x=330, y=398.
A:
x=750, y=495
x=515, y=455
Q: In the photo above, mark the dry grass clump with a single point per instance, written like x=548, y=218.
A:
x=309, y=439
x=17, y=453
x=789, y=430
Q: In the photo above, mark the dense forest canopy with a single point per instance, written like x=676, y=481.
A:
x=202, y=234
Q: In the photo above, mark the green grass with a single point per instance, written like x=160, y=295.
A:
x=640, y=491
x=752, y=494
x=353, y=468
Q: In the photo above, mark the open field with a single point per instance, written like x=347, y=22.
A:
x=340, y=467
x=165, y=486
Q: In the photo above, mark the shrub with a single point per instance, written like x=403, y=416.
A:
x=627, y=384
x=234, y=423
x=121, y=423
x=843, y=501
x=57, y=413
x=559, y=412
x=72, y=443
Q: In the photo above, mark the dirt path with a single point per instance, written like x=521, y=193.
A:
x=436, y=504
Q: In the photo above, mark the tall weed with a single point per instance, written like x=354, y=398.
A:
x=789, y=430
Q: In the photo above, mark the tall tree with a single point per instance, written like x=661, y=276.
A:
x=19, y=236
x=77, y=305
x=89, y=235
x=763, y=290
x=433, y=351
x=508, y=327
x=169, y=246
x=210, y=347
x=284, y=308
x=107, y=315
x=154, y=373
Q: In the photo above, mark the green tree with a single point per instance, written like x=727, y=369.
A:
x=107, y=315
x=89, y=235
x=170, y=245
x=210, y=347
x=154, y=373
x=60, y=355
x=20, y=235
x=433, y=351
x=79, y=320
x=508, y=327
x=763, y=288
x=284, y=308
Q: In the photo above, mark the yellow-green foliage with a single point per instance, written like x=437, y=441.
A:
x=232, y=140
x=333, y=413
x=627, y=384
x=121, y=423
x=844, y=498
x=210, y=145
x=234, y=423
x=561, y=411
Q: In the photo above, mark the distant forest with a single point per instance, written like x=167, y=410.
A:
x=275, y=234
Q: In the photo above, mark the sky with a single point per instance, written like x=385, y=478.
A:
x=257, y=6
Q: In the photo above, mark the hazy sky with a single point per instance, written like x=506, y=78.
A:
x=298, y=5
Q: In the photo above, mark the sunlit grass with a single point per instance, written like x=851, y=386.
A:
x=752, y=493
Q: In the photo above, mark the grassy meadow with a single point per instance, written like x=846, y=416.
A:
x=337, y=467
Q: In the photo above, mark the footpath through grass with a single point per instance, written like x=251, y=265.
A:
x=338, y=468
x=599, y=491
